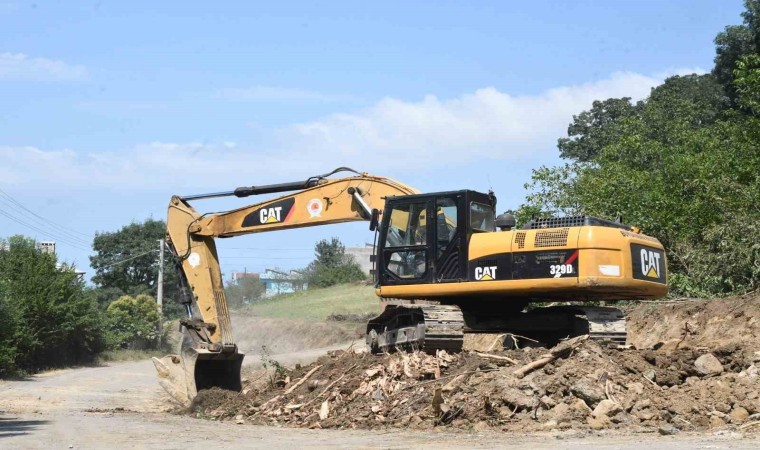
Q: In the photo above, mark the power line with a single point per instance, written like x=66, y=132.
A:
x=69, y=232
x=125, y=260
x=43, y=232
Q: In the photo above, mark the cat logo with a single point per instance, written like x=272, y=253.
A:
x=650, y=263
x=485, y=273
x=270, y=215
x=277, y=212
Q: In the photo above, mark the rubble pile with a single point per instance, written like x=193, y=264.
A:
x=677, y=384
x=593, y=387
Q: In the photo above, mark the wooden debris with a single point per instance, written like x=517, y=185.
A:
x=324, y=410
x=302, y=380
x=560, y=351
x=496, y=357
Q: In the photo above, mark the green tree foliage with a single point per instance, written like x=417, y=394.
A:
x=332, y=265
x=132, y=322
x=685, y=168
x=683, y=164
x=592, y=130
x=46, y=320
x=137, y=246
x=735, y=43
x=243, y=291
x=747, y=83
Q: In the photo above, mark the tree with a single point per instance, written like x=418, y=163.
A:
x=332, y=265
x=735, y=43
x=594, y=129
x=747, y=83
x=243, y=291
x=126, y=263
x=690, y=178
x=47, y=320
x=132, y=322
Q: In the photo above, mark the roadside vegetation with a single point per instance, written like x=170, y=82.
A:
x=319, y=304
x=684, y=164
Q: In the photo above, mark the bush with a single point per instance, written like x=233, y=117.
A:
x=132, y=323
x=46, y=320
x=332, y=266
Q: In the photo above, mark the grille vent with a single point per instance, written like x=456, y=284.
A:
x=556, y=238
x=520, y=239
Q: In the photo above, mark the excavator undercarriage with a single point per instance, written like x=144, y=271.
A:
x=430, y=328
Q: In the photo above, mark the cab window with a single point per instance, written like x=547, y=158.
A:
x=481, y=217
x=407, y=226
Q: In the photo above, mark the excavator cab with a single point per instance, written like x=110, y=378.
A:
x=423, y=238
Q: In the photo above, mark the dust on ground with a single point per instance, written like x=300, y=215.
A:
x=693, y=367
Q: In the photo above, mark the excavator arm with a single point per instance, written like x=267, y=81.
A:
x=208, y=355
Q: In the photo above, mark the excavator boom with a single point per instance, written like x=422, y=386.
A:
x=208, y=355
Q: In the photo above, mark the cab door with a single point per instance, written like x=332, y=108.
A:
x=405, y=246
x=450, y=239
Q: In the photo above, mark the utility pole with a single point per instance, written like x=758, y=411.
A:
x=160, y=290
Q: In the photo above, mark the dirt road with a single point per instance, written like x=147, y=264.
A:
x=121, y=406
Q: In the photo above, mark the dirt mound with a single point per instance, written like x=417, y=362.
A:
x=716, y=322
x=681, y=382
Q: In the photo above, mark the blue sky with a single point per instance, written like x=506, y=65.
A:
x=108, y=108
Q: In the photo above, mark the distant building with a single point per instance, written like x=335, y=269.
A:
x=280, y=282
x=46, y=247
x=239, y=275
x=79, y=273
x=363, y=257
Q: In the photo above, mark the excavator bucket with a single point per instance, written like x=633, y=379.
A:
x=182, y=377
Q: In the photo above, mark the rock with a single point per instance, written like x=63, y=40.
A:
x=722, y=407
x=738, y=415
x=549, y=425
x=667, y=430
x=582, y=407
x=606, y=408
x=481, y=426
x=637, y=388
x=561, y=412
x=547, y=402
x=598, y=423
x=650, y=375
x=708, y=364
x=644, y=415
x=589, y=391
x=716, y=422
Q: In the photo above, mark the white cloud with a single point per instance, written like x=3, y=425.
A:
x=278, y=94
x=392, y=135
x=18, y=66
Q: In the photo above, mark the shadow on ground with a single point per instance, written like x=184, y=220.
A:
x=12, y=426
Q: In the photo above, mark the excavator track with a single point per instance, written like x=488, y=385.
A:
x=442, y=327
x=426, y=327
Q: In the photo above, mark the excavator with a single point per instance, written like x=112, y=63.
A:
x=446, y=267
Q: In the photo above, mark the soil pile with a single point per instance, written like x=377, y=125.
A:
x=681, y=382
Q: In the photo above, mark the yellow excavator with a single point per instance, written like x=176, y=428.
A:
x=446, y=267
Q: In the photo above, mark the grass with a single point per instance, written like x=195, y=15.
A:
x=317, y=304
